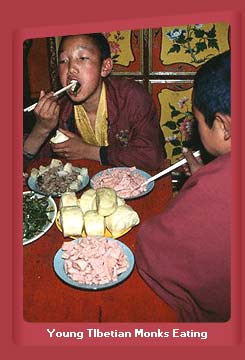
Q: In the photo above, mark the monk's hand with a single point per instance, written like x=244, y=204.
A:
x=193, y=163
x=72, y=149
x=47, y=112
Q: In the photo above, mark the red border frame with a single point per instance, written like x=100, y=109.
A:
x=224, y=339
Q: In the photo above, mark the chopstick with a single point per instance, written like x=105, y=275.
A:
x=72, y=83
x=169, y=169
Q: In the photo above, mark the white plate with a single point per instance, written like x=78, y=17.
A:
x=51, y=216
x=32, y=183
x=144, y=174
x=59, y=269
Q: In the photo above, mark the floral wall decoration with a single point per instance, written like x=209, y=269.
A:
x=120, y=45
x=176, y=120
x=127, y=52
x=194, y=43
x=193, y=40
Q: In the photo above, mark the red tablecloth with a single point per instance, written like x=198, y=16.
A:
x=48, y=299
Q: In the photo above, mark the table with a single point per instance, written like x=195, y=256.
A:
x=48, y=299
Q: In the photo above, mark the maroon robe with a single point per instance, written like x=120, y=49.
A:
x=134, y=134
x=184, y=253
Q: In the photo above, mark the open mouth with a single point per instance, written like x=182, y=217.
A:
x=75, y=87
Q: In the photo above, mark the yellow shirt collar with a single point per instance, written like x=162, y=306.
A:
x=98, y=136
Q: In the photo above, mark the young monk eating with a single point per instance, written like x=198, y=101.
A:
x=184, y=253
x=109, y=119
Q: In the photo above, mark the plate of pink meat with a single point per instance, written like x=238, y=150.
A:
x=93, y=263
x=126, y=181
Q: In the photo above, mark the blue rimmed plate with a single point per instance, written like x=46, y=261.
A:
x=51, y=213
x=96, y=181
x=32, y=183
x=59, y=269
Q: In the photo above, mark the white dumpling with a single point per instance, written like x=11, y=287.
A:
x=106, y=200
x=123, y=218
x=87, y=200
x=68, y=199
x=94, y=223
x=71, y=220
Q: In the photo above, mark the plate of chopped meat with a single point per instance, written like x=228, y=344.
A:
x=93, y=263
x=126, y=181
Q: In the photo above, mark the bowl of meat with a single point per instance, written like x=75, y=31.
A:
x=126, y=181
x=57, y=178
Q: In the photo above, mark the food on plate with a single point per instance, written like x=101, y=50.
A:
x=59, y=137
x=68, y=168
x=68, y=198
x=57, y=178
x=106, y=201
x=35, y=172
x=123, y=218
x=94, y=223
x=87, y=201
x=35, y=214
x=125, y=181
x=53, y=164
x=94, y=260
x=71, y=220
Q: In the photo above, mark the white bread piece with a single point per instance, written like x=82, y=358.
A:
x=106, y=200
x=71, y=221
x=42, y=169
x=55, y=163
x=123, y=218
x=87, y=201
x=94, y=223
x=68, y=168
x=59, y=137
x=68, y=199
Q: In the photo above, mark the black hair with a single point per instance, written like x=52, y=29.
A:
x=99, y=40
x=211, y=89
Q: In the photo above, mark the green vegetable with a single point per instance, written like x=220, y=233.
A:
x=35, y=214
